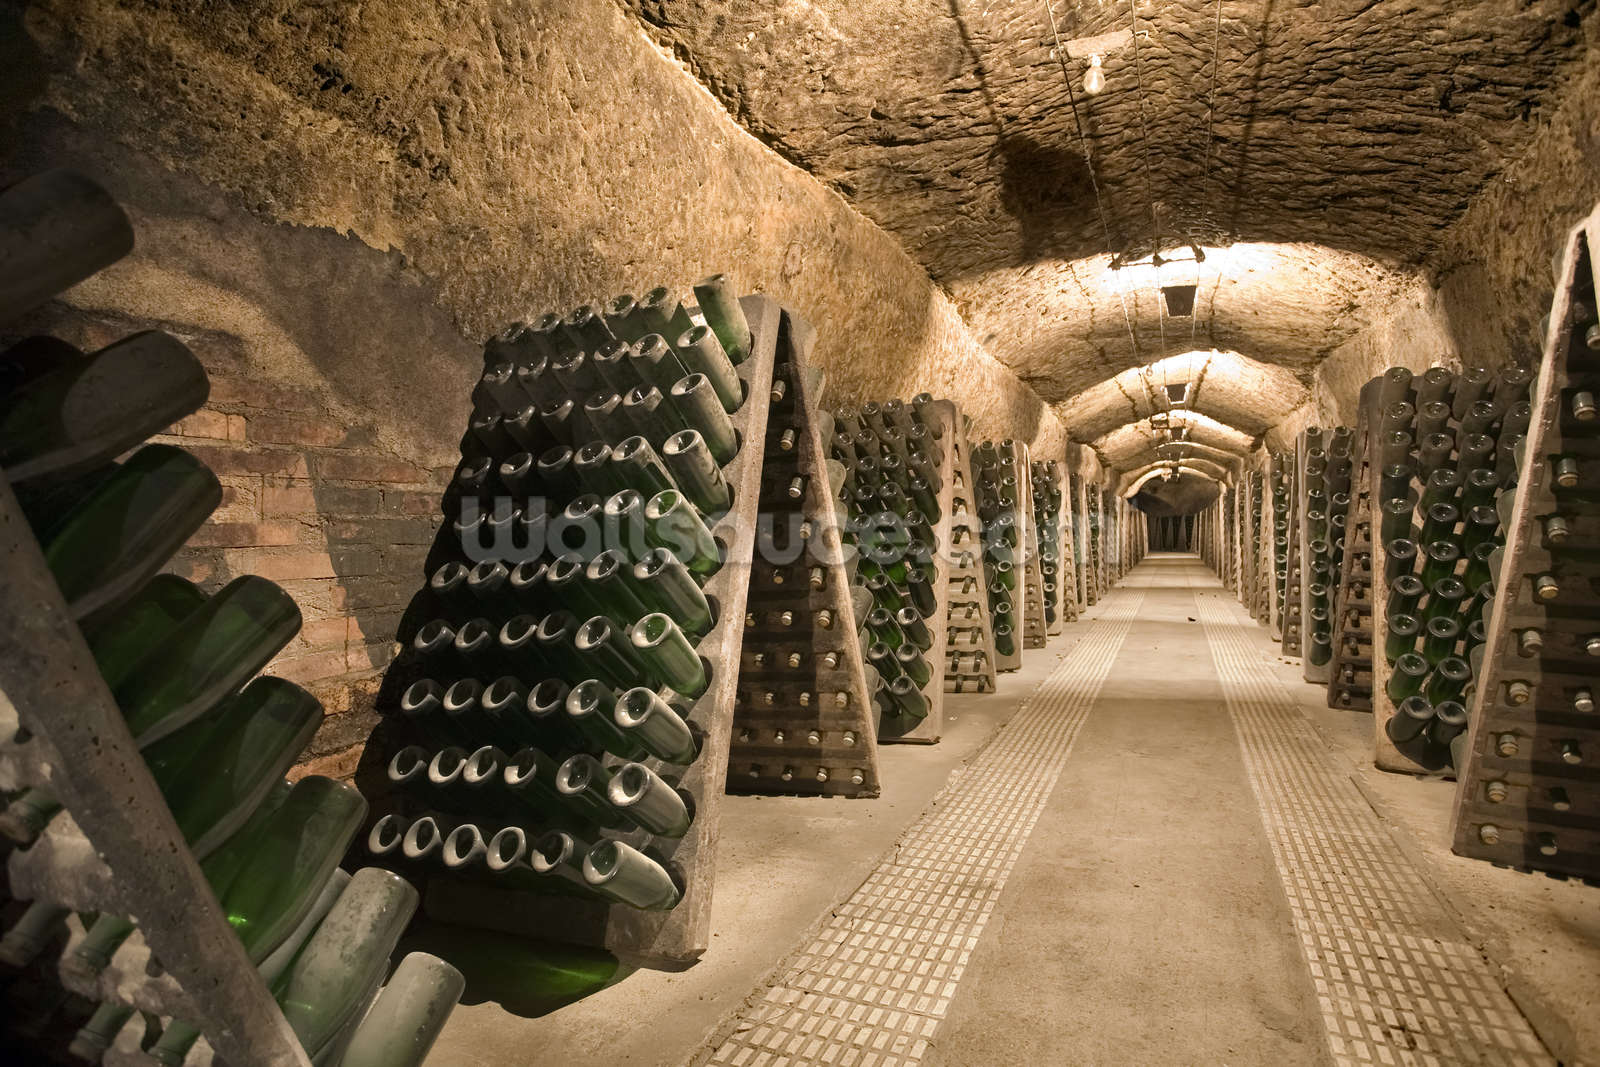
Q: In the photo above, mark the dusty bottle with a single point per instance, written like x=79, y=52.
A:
x=112, y=541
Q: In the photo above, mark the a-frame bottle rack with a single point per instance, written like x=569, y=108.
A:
x=627, y=876
x=1055, y=550
x=1259, y=535
x=1291, y=604
x=1528, y=765
x=1350, y=676
x=1435, y=475
x=903, y=484
x=1323, y=474
x=1035, y=621
x=110, y=844
x=1001, y=506
x=804, y=720
x=970, y=658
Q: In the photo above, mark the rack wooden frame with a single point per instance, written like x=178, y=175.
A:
x=675, y=938
x=972, y=633
x=1524, y=816
x=755, y=758
x=1350, y=681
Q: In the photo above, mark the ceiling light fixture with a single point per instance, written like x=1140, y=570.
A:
x=1094, y=79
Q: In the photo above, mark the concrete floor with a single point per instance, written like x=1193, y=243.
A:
x=1143, y=922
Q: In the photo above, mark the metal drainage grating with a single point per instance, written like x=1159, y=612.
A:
x=1395, y=979
x=870, y=989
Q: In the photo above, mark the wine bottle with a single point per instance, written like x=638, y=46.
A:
x=56, y=229
x=647, y=801
x=178, y=1037
x=651, y=724
x=696, y=472
x=85, y=412
x=290, y=861
x=1407, y=676
x=908, y=698
x=214, y=772
x=591, y=709
x=672, y=523
x=724, y=314
x=332, y=977
x=623, y=873
x=668, y=656
x=116, y=538
x=697, y=404
x=33, y=931
x=207, y=656
x=405, y=1020
x=96, y=1036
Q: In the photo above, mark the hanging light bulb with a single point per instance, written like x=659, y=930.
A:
x=1094, y=79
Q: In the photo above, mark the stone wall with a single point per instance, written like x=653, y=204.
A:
x=332, y=206
x=1490, y=283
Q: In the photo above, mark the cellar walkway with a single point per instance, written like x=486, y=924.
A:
x=1154, y=845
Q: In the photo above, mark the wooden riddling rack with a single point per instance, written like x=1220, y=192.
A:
x=1095, y=570
x=1290, y=602
x=1035, y=619
x=1398, y=411
x=661, y=938
x=871, y=429
x=1055, y=546
x=970, y=658
x=1008, y=609
x=1322, y=471
x=115, y=848
x=804, y=720
x=1529, y=772
x=1259, y=535
x=1350, y=676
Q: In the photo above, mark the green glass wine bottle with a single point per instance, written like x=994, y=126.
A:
x=116, y=538
x=88, y=411
x=725, y=315
x=178, y=1037
x=213, y=781
x=668, y=655
x=290, y=861
x=1410, y=717
x=654, y=726
x=405, y=1020
x=348, y=955
x=625, y=874
x=207, y=656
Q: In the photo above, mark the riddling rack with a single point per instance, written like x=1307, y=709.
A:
x=149, y=756
x=1435, y=471
x=1289, y=508
x=1055, y=550
x=1528, y=765
x=1350, y=677
x=598, y=479
x=898, y=460
x=970, y=655
x=1035, y=619
x=1323, y=474
x=804, y=719
x=1002, y=500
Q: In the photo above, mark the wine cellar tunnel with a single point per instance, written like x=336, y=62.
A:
x=1077, y=546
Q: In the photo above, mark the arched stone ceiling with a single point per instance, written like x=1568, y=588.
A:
x=1122, y=446
x=1316, y=148
x=1245, y=393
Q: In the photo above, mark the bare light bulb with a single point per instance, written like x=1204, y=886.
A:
x=1094, y=79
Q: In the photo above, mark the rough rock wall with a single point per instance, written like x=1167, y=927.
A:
x=331, y=203
x=1490, y=283
x=522, y=156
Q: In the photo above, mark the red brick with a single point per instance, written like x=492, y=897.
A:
x=238, y=393
x=339, y=765
x=295, y=430
x=369, y=656
x=246, y=534
x=342, y=500
x=241, y=498
x=410, y=502
x=282, y=502
x=325, y=634
x=311, y=667
x=384, y=531
x=224, y=460
x=203, y=423
x=358, y=468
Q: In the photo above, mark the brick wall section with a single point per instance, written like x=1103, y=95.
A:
x=312, y=505
x=308, y=501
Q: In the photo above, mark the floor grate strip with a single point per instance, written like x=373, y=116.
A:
x=871, y=988
x=1396, y=981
